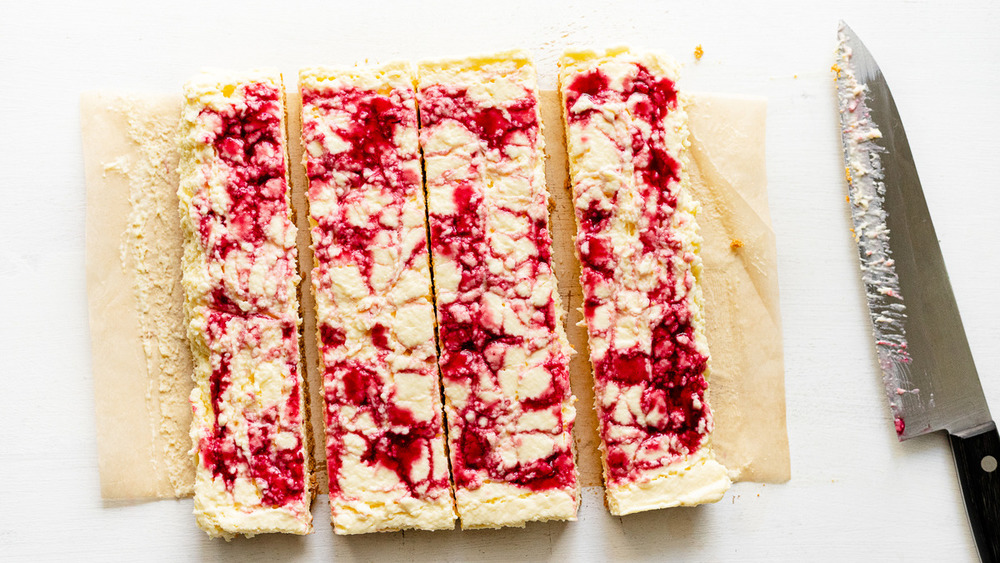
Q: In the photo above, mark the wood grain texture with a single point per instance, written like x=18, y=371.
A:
x=855, y=494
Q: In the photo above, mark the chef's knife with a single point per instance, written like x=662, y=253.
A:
x=927, y=367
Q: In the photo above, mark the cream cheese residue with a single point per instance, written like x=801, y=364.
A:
x=151, y=258
x=866, y=191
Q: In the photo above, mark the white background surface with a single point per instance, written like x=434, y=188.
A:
x=855, y=493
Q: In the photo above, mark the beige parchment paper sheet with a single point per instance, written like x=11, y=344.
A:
x=141, y=363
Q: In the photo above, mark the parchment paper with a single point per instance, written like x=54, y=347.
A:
x=141, y=362
x=741, y=287
x=142, y=365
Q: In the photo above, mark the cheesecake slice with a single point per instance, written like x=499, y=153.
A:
x=504, y=354
x=240, y=282
x=385, y=442
x=638, y=244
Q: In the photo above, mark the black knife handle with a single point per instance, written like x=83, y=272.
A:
x=978, y=460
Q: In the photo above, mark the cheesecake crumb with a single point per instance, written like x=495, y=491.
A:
x=736, y=243
x=698, y=52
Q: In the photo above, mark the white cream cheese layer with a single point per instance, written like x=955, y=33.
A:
x=240, y=280
x=504, y=353
x=626, y=136
x=374, y=308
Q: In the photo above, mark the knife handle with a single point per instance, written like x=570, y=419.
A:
x=978, y=460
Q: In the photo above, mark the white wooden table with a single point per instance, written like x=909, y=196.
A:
x=855, y=493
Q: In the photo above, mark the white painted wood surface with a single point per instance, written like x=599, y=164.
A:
x=855, y=493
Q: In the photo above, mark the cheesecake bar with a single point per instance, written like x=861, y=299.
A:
x=385, y=442
x=638, y=243
x=504, y=354
x=241, y=281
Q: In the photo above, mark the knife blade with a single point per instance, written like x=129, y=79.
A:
x=930, y=378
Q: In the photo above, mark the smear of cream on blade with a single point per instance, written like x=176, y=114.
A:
x=867, y=190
